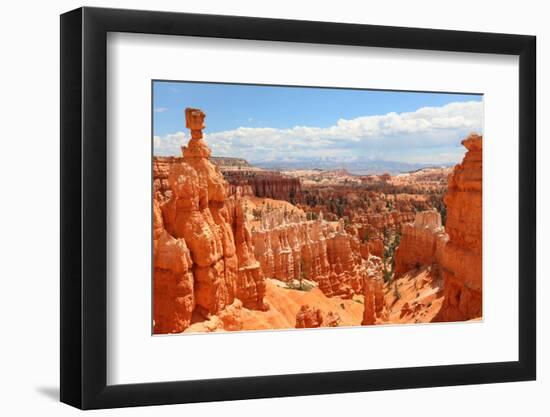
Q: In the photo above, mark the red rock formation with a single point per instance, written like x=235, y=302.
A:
x=376, y=223
x=173, y=279
x=161, y=188
x=377, y=286
x=373, y=293
x=308, y=317
x=250, y=284
x=462, y=261
x=210, y=266
x=292, y=248
x=376, y=247
x=204, y=229
x=161, y=170
x=421, y=242
x=266, y=184
x=455, y=255
x=278, y=188
x=231, y=317
x=332, y=319
x=369, y=315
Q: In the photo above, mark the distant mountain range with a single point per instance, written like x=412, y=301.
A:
x=357, y=167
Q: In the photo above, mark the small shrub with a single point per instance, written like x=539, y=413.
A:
x=396, y=293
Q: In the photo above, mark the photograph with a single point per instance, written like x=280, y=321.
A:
x=298, y=207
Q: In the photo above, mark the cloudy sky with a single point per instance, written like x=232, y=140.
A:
x=265, y=124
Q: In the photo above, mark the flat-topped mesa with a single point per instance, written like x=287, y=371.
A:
x=462, y=260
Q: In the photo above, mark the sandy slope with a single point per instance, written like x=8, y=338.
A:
x=415, y=297
x=284, y=304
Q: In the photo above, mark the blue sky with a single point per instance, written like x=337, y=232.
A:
x=265, y=123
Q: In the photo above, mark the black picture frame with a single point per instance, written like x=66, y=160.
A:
x=84, y=207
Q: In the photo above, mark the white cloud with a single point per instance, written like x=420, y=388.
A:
x=169, y=144
x=160, y=109
x=371, y=136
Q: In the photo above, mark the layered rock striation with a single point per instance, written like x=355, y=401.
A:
x=266, y=184
x=173, y=287
x=422, y=242
x=289, y=247
x=161, y=170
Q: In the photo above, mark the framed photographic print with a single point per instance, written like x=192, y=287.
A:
x=258, y=207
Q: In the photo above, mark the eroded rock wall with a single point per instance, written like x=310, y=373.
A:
x=456, y=251
x=266, y=184
x=421, y=243
x=174, y=300
x=293, y=248
x=462, y=258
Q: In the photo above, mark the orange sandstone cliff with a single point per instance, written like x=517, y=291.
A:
x=289, y=247
x=422, y=242
x=174, y=300
x=265, y=184
x=448, y=258
x=462, y=262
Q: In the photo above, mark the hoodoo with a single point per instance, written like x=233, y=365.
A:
x=199, y=229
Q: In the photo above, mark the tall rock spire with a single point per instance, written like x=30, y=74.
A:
x=462, y=262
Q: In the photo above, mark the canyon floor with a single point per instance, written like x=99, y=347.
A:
x=238, y=247
x=413, y=298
